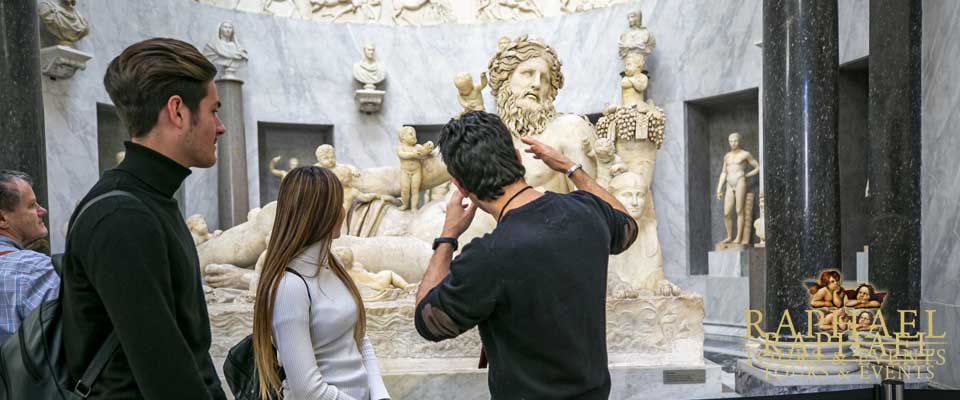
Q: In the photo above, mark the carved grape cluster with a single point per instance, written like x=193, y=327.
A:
x=624, y=122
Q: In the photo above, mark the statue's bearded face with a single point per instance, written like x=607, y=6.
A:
x=525, y=103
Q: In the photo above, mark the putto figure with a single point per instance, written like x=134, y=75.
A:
x=411, y=168
x=225, y=51
x=470, y=96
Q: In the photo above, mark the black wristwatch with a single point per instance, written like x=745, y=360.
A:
x=439, y=240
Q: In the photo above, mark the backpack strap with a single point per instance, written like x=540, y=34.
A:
x=100, y=359
x=291, y=270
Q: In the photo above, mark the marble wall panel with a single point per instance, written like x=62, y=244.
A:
x=940, y=182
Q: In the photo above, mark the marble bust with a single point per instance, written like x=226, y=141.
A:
x=525, y=105
x=225, y=51
x=369, y=71
x=637, y=38
x=733, y=177
x=63, y=21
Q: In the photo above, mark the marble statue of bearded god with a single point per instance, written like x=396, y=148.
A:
x=525, y=77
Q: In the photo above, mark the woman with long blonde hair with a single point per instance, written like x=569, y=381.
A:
x=308, y=317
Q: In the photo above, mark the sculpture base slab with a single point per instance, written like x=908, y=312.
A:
x=62, y=62
x=645, y=335
x=730, y=246
x=753, y=381
x=416, y=379
x=369, y=101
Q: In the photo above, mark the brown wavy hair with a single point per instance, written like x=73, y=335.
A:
x=825, y=280
x=309, y=211
x=145, y=75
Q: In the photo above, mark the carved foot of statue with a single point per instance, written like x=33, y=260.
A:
x=738, y=239
x=667, y=288
x=228, y=276
x=727, y=240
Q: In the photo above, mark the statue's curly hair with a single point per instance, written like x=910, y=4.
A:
x=522, y=49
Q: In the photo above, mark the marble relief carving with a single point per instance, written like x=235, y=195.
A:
x=347, y=10
x=67, y=26
x=508, y=10
x=413, y=12
x=421, y=12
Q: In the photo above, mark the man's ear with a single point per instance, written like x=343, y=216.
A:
x=174, y=111
x=459, y=188
x=4, y=222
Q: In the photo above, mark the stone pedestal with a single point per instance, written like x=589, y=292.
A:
x=801, y=177
x=369, y=100
x=61, y=62
x=654, y=345
x=894, y=153
x=233, y=199
x=21, y=99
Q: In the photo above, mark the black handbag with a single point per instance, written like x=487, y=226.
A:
x=32, y=364
x=240, y=369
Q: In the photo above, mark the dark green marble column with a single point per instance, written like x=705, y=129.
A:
x=21, y=100
x=801, y=171
x=894, y=154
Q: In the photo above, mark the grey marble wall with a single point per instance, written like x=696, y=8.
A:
x=940, y=182
x=299, y=72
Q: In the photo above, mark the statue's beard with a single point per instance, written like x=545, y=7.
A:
x=524, y=116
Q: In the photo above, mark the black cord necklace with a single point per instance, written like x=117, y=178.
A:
x=504, y=208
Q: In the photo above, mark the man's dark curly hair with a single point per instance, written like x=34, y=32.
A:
x=479, y=153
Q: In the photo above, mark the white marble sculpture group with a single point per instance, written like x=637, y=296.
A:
x=387, y=232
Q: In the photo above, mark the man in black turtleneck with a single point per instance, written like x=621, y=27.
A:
x=131, y=266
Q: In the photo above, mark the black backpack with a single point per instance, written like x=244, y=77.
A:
x=240, y=369
x=32, y=364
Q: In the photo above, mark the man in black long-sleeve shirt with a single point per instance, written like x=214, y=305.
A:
x=131, y=266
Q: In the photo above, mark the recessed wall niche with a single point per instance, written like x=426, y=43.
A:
x=110, y=136
x=852, y=141
x=709, y=122
x=287, y=141
x=425, y=133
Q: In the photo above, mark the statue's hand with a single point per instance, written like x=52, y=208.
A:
x=275, y=159
x=719, y=195
x=550, y=156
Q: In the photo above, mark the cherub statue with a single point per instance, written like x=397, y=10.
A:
x=865, y=297
x=411, y=168
x=608, y=162
x=63, y=21
x=379, y=286
x=198, y=229
x=828, y=292
x=293, y=163
x=470, y=96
